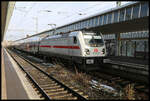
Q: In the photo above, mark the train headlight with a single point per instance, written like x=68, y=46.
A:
x=87, y=51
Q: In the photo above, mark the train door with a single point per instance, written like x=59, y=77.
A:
x=70, y=44
x=38, y=47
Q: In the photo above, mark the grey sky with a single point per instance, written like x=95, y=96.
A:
x=61, y=13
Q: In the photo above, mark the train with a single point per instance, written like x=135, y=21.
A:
x=79, y=47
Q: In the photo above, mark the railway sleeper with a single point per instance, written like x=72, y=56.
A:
x=73, y=88
x=55, y=93
x=68, y=98
x=43, y=77
x=61, y=96
x=46, y=85
x=53, y=89
x=48, y=81
x=50, y=87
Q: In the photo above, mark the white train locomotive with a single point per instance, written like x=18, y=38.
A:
x=80, y=47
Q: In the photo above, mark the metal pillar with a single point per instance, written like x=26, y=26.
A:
x=118, y=44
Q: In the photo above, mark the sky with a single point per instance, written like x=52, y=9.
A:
x=23, y=20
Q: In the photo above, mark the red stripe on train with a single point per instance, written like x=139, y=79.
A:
x=70, y=47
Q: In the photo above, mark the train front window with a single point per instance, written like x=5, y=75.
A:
x=93, y=41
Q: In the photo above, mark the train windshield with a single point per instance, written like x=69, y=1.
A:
x=93, y=41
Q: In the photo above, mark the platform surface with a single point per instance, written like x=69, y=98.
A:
x=130, y=60
x=12, y=87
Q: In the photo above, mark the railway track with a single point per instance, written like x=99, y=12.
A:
x=120, y=82
x=47, y=86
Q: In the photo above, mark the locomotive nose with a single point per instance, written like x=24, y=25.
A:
x=87, y=51
x=95, y=50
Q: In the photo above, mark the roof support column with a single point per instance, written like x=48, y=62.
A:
x=118, y=44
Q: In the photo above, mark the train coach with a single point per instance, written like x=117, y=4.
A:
x=81, y=47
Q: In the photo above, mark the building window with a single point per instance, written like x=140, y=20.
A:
x=82, y=25
x=96, y=21
x=116, y=16
x=135, y=11
x=128, y=14
x=87, y=23
x=78, y=25
x=90, y=23
x=123, y=48
x=144, y=9
x=73, y=27
x=93, y=22
x=105, y=19
x=121, y=17
x=101, y=20
x=109, y=18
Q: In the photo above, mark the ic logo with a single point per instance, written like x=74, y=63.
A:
x=95, y=50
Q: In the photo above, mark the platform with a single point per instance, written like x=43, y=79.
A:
x=138, y=66
x=129, y=60
x=14, y=84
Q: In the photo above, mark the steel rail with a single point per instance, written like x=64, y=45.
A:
x=45, y=95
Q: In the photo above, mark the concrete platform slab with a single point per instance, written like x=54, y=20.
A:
x=16, y=86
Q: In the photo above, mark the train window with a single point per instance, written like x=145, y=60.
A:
x=116, y=16
x=144, y=9
x=109, y=18
x=101, y=20
x=105, y=19
x=128, y=14
x=135, y=11
x=121, y=17
x=74, y=40
x=93, y=41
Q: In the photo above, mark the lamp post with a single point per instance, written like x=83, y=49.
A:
x=36, y=19
x=36, y=23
